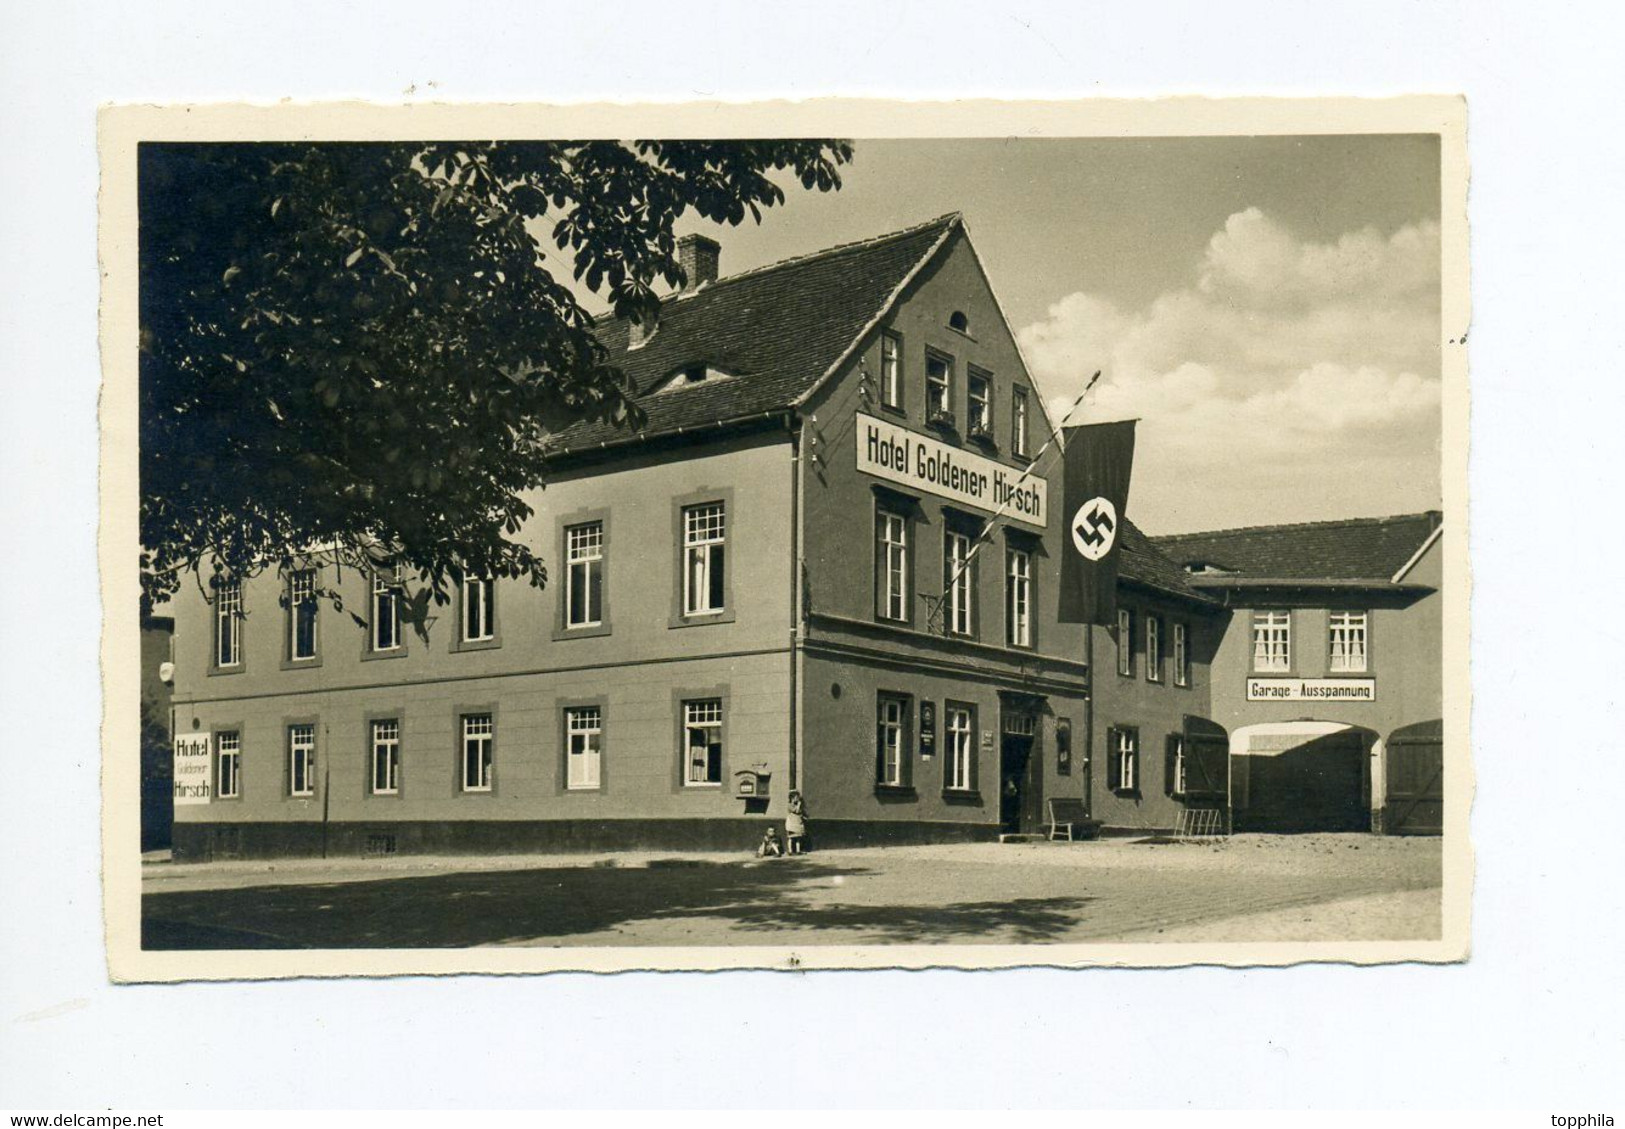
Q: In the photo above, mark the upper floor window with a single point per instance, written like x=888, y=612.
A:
x=939, y=387
x=702, y=742
x=891, y=565
x=1018, y=420
x=960, y=581
x=1125, y=642
x=584, y=731
x=958, y=322
x=891, y=370
x=1019, y=597
x=479, y=610
x=228, y=623
x=1153, y=648
x=302, y=615
x=1182, y=655
x=386, y=609
x=704, y=536
x=479, y=751
x=979, y=389
x=1272, y=641
x=1349, y=649
x=584, y=576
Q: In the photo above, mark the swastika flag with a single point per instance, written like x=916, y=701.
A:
x=1099, y=458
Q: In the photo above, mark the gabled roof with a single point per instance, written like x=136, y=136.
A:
x=780, y=329
x=1140, y=561
x=1370, y=550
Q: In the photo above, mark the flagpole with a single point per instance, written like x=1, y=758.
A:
x=987, y=530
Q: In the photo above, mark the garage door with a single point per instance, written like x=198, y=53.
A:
x=1299, y=782
x=1415, y=773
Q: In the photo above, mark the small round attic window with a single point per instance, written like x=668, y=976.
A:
x=959, y=322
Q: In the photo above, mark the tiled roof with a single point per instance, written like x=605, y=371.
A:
x=777, y=329
x=1140, y=561
x=1371, y=549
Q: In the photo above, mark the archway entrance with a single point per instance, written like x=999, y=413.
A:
x=1301, y=776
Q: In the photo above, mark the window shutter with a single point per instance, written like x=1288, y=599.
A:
x=905, y=751
x=880, y=747
x=1114, y=764
x=1170, y=755
x=880, y=564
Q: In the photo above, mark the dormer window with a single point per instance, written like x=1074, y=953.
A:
x=959, y=323
x=690, y=375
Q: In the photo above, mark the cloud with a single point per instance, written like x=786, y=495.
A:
x=1286, y=380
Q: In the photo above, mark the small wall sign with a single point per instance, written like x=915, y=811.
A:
x=928, y=729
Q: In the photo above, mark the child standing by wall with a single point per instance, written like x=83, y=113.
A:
x=795, y=825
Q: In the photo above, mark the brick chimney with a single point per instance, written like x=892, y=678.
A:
x=698, y=256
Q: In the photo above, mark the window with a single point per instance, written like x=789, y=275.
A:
x=584, y=578
x=1018, y=420
x=386, y=757
x=1019, y=597
x=891, y=560
x=228, y=783
x=1153, y=648
x=386, y=610
x=1272, y=641
x=479, y=610
x=958, y=322
x=959, y=580
x=301, y=760
x=1125, y=642
x=891, y=370
x=979, y=387
x=702, y=742
x=1182, y=655
x=703, y=564
x=891, y=741
x=479, y=732
x=584, y=738
x=1348, y=642
x=302, y=615
x=228, y=623
x=959, y=774
x=1176, y=764
x=939, y=382
x=1123, y=767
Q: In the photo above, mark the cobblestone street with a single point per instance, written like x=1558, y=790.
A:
x=1249, y=887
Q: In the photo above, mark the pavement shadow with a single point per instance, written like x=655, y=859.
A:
x=495, y=907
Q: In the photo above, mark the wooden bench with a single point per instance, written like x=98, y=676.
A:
x=1069, y=820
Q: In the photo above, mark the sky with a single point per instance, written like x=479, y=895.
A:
x=1268, y=308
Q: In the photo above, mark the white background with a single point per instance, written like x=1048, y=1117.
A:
x=1533, y=1019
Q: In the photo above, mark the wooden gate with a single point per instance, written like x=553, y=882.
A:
x=1414, y=804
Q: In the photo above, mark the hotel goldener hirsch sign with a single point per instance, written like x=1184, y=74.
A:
x=922, y=463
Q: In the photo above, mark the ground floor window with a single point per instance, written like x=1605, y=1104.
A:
x=479, y=736
x=1176, y=764
x=228, y=781
x=891, y=741
x=584, y=734
x=386, y=757
x=702, y=742
x=959, y=773
x=301, y=760
x=1123, y=759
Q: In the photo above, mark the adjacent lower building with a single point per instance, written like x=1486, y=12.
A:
x=1328, y=677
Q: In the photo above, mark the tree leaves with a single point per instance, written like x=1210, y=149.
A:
x=360, y=345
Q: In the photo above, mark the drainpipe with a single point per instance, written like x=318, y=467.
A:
x=793, y=424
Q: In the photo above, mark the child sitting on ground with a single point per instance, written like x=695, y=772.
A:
x=770, y=844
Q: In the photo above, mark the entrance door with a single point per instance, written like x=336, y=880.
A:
x=1016, y=789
